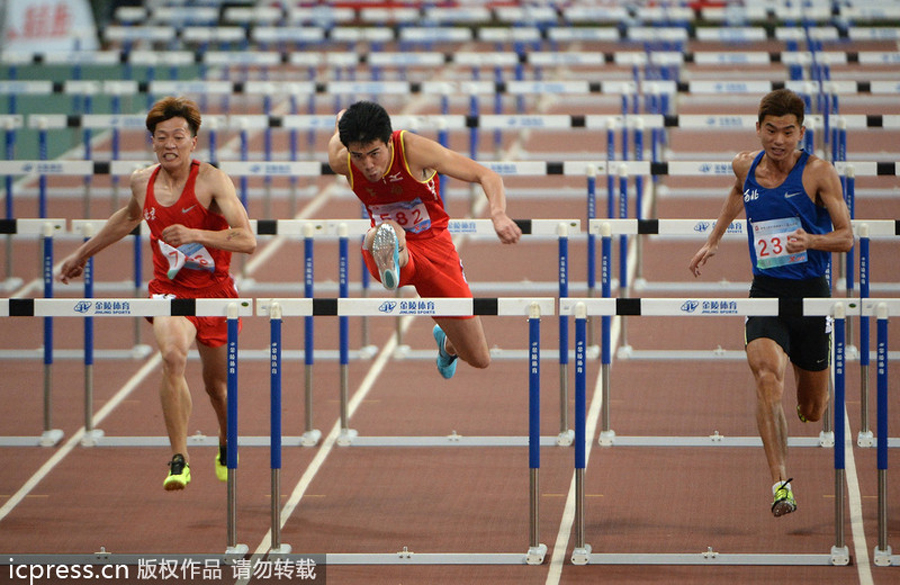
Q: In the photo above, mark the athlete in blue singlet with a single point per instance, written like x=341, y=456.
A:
x=796, y=217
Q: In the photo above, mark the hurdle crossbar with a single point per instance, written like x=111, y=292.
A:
x=418, y=123
x=92, y=307
x=425, y=58
x=507, y=168
x=442, y=307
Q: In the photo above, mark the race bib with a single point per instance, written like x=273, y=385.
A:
x=191, y=256
x=770, y=240
x=411, y=215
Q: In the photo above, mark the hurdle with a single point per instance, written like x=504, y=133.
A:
x=580, y=308
x=863, y=229
x=232, y=309
x=532, y=308
x=46, y=228
x=407, y=308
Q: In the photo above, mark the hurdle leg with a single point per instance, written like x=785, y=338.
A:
x=278, y=548
x=840, y=553
x=582, y=552
x=882, y=555
x=536, y=550
x=91, y=435
x=607, y=435
x=234, y=550
x=347, y=434
x=865, y=438
x=311, y=436
x=826, y=435
x=50, y=436
x=566, y=435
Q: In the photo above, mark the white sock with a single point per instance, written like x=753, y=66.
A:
x=780, y=484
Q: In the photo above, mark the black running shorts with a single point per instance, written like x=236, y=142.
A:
x=806, y=340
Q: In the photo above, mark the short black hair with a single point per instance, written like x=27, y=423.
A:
x=364, y=122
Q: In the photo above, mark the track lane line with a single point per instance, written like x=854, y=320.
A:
x=150, y=365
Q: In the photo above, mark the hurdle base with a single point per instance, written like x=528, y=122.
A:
x=11, y=283
x=582, y=556
x=367, y=352
x=91, y=438
x=408, y=557
x=280, y=551
x=883, y=557
x=345, y=439
x=236, y=552
x=536, y=554
x=141, y=351
x=865, y=439
x=826, y=439
x=840, y=556
x=607, y=438
x=711, y=557
x=401, y=352
x=51, y=438
x=624, y=352
x=310, y=438
x=565, y=438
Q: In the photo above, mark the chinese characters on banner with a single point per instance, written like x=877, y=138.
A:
x=42, y=26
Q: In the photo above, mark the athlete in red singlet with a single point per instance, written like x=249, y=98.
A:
x=196, y=221
x=395, y=175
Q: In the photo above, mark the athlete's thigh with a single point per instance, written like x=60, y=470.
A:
x=174, y=333
x=215, y=363
x=812, y=386
x=766, y=357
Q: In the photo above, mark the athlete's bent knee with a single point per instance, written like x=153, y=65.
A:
x=481, y=362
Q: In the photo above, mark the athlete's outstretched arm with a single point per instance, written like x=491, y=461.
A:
x=424, y=153
x=734, y=203
x=120, y=224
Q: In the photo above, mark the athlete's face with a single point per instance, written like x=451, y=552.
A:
x=173, y=142
x=779, y=135
x=372, y=158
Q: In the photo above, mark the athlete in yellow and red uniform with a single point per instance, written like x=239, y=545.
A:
x=395, y=175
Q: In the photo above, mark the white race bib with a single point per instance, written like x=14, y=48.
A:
x=411, y=215
x=190, y=256
x=770, y=240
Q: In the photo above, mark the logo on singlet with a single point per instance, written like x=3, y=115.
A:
x=150, y=214
x=751, y=195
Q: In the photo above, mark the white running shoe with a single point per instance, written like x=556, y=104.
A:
x=386, y=252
